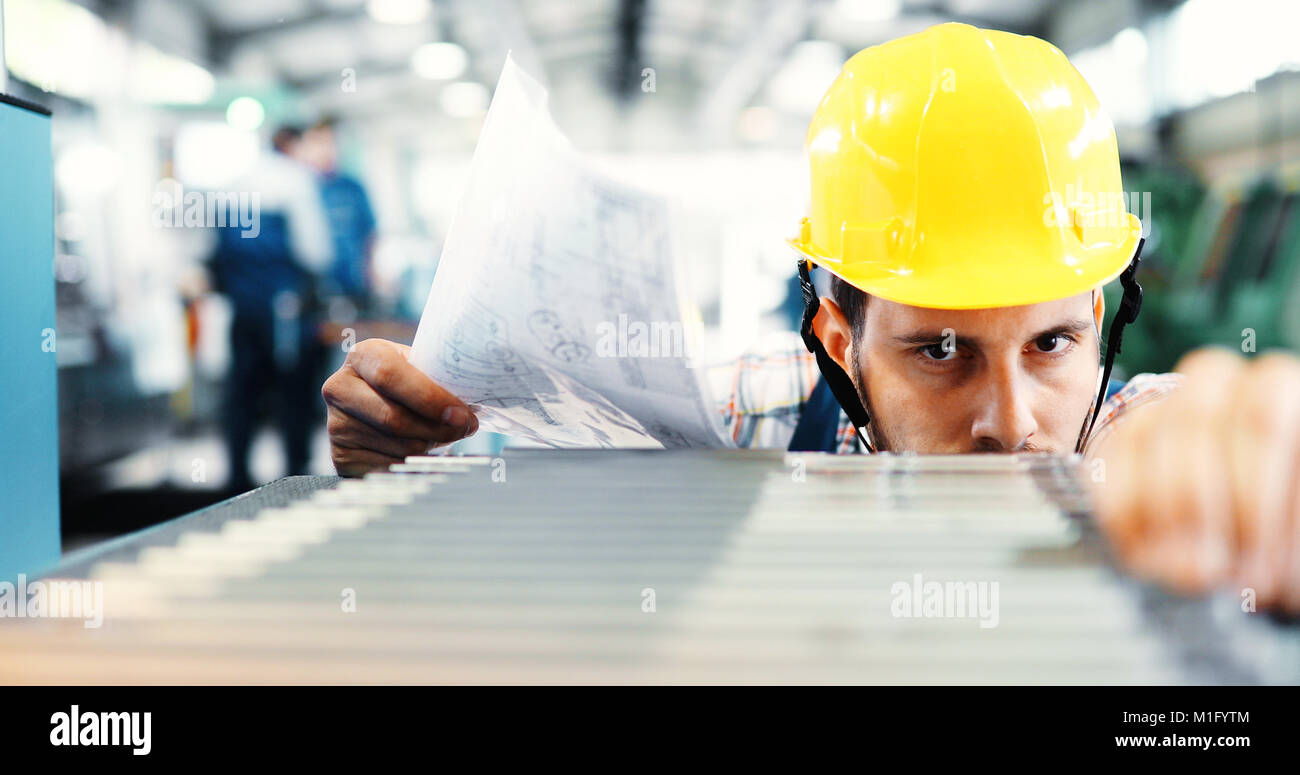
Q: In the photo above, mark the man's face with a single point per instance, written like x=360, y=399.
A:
x=319, y=149
x=1012, y=379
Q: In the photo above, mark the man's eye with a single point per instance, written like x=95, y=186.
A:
x=1052, y=343
x=937, y=352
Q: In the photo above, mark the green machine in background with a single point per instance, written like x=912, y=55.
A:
x=1222, y=267
x=29, y=457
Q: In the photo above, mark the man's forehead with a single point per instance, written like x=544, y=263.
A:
x=892, y=319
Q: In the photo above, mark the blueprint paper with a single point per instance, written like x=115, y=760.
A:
x=556, y=310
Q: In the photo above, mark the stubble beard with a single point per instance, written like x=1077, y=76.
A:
x=875, y=432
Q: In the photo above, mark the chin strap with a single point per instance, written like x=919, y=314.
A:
x=841, y=386
x=1129, y=307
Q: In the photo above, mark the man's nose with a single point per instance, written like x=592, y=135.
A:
x=1005, y=422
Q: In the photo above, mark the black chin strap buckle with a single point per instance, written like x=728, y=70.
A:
x=1129, y=307
x=841, y=386
x=1131, y=304
x=810, y=306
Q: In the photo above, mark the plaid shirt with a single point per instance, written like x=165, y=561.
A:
x=761, y=395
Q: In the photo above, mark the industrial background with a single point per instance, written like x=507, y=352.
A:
x=705, y=102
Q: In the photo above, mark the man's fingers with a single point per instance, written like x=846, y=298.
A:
x=346, y=431
x=1195, y=419
x=1166, y=502
x=1117, y=494
x=362, y=402
x=1265, y=442
x=382, y=409
x=358, y=462
x=384, y=366
x=1291, y=591
x=1173, y=514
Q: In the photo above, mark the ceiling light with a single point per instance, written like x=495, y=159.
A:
x=465, y=99
x=439, y=61
x=1130, y=44
x=398, y=11
x=245, y=113
x=868, y=10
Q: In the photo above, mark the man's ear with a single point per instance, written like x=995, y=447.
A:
x=1099, y=309
x=835, y=333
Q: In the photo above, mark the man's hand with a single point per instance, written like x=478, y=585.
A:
x=381, y=409
x=1200, y=490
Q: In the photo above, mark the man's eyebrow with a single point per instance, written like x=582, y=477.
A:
x=934, y=336
x=930, y=337
x=1071, y=326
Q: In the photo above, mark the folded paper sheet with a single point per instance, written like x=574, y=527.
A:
x=556, y=310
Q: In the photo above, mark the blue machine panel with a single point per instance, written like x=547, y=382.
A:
x=29, y=457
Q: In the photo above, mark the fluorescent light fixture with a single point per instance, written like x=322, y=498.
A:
x=66, y=49
x=245, y=113
x=58, y=46
x=439, y=61
x=464, y=99
x=165, y=79
x=1131, y=45
x=868, y=10
x=398, y=11
x=1116, y=72
x=1222, y=47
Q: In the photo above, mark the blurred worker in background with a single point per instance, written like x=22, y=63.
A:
x=270, y=275
x=347, y=208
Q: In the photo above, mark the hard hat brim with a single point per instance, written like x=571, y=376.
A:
x=959, y=285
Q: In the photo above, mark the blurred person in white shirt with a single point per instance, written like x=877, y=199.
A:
x=269, y=275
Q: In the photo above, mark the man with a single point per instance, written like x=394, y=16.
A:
x=351, y=220
x=966, y=198
x=269, y=280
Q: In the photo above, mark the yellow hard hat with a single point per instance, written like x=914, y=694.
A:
x=965, y=168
